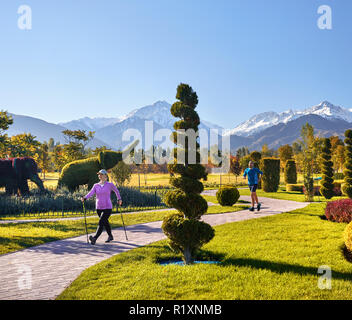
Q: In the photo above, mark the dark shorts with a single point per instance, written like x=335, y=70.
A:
x=253, y=187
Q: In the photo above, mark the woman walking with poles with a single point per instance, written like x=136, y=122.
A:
x=102, y=190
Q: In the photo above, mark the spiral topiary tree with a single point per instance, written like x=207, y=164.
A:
x=290, y=172
x=185, y=232
x=347, y=187
x=327, y=182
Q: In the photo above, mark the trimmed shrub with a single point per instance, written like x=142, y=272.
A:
x=295, y=187
x=347, y=236
x=271, y=174
x=227, y=195
x=339, y=210
x=347, y=187
x=327, y=186
x=290, y=172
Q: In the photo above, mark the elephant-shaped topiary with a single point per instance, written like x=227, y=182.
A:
x=81, y=172
x=15, y=172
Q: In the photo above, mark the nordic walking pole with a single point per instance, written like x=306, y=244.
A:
x=85, y=220
x=122, y=221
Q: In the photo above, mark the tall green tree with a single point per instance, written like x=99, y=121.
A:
x=307, y=158
x=184, y=229
x=43, y=158
x=76, y=141
x=242, y=152
x=327, y=182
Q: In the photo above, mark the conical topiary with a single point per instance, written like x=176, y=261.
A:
x=347, y=187
x=327, y=182
x=185, y=232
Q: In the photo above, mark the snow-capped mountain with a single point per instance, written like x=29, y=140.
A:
x=265, y=120
x=159, y=112
x=89, y=124
x=111, y=129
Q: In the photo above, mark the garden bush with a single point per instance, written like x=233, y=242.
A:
x=348, y=237
x=227, y=195
x=295, y=187
x=339, y=210
x=271, y=174
x=290, y=172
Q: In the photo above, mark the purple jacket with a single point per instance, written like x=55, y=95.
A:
x=102, y=193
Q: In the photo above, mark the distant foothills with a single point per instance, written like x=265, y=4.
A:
x=270, y=128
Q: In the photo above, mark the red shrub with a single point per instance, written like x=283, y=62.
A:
x=339, y=210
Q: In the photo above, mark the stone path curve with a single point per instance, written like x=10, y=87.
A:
x=43, y=272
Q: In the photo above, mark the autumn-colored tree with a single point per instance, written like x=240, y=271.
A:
x=43, y=158
x=266, y=152
x=5, y=122
x=58, y=157
x=23, y=145
x=235, y=166
x=285, y=153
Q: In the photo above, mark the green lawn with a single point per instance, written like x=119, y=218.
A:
x=274, y=257
x=17, y=236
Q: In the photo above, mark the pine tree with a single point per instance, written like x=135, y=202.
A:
x=184, y=230
x=327, y=182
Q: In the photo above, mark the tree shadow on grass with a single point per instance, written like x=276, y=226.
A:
x=281, y=267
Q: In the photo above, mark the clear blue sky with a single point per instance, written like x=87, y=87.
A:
x=105, y=58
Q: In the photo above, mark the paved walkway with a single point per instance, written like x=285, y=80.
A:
x=44, y=271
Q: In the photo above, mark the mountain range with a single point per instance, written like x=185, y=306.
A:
x=271, y=128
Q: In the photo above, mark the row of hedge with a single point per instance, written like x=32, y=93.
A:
x=300, y=188
x=62, y=200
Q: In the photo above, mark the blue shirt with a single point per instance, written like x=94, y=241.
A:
x=252, y=175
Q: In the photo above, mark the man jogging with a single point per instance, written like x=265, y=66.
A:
x=254, y=175
x=102, y=190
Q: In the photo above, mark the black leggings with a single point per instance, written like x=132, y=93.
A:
x=103, y=222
